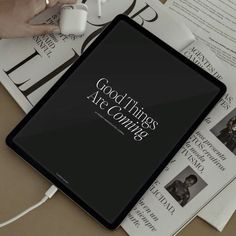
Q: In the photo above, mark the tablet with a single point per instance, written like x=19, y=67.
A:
x=110, y=125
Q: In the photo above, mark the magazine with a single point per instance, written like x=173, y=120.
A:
x=213, y=23
x=29, y=67
x=205, y=155
x=218, y=212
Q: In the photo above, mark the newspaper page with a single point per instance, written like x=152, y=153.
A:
x=29, y=67
x=207, y=159
x=218, y=212
x=212, y=21
x=221, y=208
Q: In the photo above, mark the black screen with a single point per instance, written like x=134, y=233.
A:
x=115, y=119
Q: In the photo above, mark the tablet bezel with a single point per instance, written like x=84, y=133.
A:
x=60, y=184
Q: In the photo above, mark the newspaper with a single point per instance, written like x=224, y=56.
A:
x=214, y=23
x=205, y=155
x=219, y=211
x=31, y=66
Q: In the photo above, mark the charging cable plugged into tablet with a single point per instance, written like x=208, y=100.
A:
x=49, y=194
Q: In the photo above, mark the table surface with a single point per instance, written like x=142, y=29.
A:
x=21, y=186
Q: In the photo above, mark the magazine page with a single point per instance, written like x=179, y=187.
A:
x=219, y=211
x=29, y=67
x=212, y=21
x=207, y=159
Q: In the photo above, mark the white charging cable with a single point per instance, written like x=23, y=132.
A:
x=49, y=194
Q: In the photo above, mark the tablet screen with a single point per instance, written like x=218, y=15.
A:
x=116, y=118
